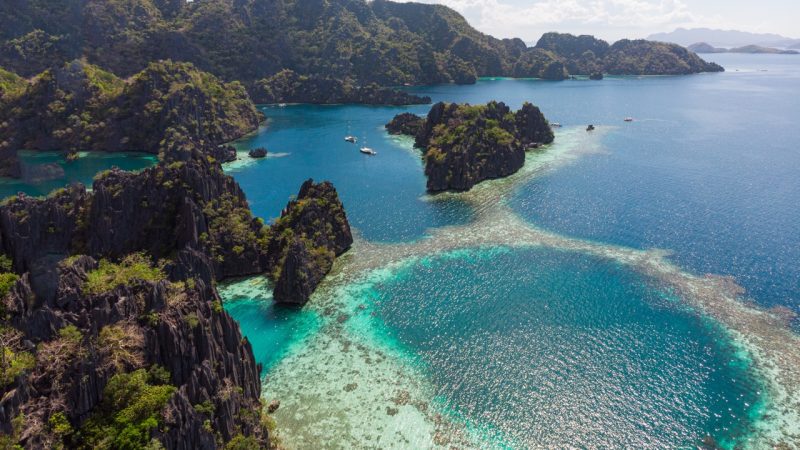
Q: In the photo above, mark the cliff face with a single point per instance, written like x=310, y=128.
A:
x=384, y=42
x=161, y=210
x=465, y=144
x=85, y=340
x=405, y=123
x=301, y=252
x=147, y=314
x=81, y=107
x=289, y=87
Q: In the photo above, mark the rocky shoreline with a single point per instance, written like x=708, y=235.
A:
x=156, y=243
x=464, y=145
x=288, y=87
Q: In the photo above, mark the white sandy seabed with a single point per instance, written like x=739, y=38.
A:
x=345, y=386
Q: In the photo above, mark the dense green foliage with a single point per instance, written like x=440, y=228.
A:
x=132, y=406
x=585, y=55
x=466, y=144
x=288, y=87
x=384, y=42
x=108, y=275
x=81, y=107
x=11, y=84
x=13, y=363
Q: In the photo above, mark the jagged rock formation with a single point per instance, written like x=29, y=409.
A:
x=81, y=339
x=584, y=55
x=176, y=229
x=405, y=123
x=384, y=42
x=161, y=210
x=465, y=144
x=81, y=107
x=259, y=152
x=302, y=252
x=288, y=87
x=223, y=153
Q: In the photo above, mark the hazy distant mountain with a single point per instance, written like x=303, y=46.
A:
x=702, y=47
x=723, y=38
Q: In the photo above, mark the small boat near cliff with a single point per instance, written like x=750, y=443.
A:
x=368, y=151
x=555, y=125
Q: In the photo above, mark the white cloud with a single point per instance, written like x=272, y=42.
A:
x=611, y=19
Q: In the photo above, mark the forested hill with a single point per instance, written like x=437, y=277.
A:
x=381, y=41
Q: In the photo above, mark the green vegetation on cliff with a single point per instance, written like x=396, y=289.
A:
x=288, y=87
x=384, y=42
x=466, y=144
x=109, y=275
x=81, y=107
x=131, y=408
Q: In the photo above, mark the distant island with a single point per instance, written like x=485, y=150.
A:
x=725, y=38
x=464, y=144
x=702, y=47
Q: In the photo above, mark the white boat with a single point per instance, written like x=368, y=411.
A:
x=629, y=119
x=350, y=139
x=368, y=151
x=281, y=105
x=555, y=125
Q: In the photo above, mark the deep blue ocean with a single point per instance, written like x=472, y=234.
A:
x=535, y=347
x=708, y=170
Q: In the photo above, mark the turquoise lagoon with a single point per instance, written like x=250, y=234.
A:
x=566, y=307
x=44, y=171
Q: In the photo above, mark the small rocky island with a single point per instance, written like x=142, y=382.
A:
x=467, y=144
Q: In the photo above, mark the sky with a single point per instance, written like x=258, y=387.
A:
x=616, y=19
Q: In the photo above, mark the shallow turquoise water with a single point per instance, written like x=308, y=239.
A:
x=550, y=348
x=81, y=170
x=271, y=329
x=536, y=347
x=708, y=170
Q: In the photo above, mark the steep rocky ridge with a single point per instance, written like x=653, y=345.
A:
x=466, y=144
x=385, y=42
x=143, y=300
x=81, y=107
x=301, y=251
